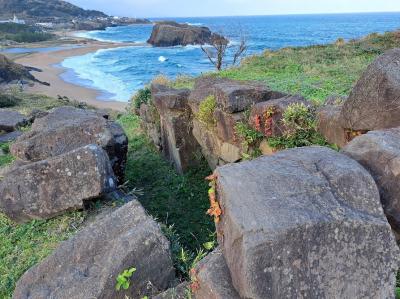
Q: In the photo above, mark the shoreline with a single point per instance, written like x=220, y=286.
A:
x=49, y=63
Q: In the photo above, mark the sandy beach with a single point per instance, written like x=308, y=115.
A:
x=51, y=74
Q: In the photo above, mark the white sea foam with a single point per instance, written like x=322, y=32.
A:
x=86, y=68
x=162, y=59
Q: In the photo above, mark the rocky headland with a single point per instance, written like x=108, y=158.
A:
x=169, y=34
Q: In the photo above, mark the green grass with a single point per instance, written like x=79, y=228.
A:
x=173, y=199
x=6, y=158
x=316, y=71
x=26, y=102
x=22, y=246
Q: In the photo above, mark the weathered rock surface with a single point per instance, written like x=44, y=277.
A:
x=10, y=136
x=379, y=153
x=67, y=128
x=276, y=107
x=236, y=96
x=177, y=141
x=48, y=188
x=330, y=123
x=213, y=279
x=11, y=71
x=11, y=120
x=209, y=142
x=169, y=34
x=225, y=125
x=151, y=123
x=374, y=102
x=181, y=291
x=307, y=223
x=87, y=265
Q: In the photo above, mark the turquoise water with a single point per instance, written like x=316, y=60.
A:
x=119, y=72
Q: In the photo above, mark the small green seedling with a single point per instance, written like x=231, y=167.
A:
x=123, y=279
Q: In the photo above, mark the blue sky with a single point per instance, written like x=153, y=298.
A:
x=177, y=8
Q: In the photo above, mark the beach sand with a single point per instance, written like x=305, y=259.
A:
x=51, y=74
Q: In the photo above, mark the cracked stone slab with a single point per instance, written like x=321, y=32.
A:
x=48, y=188
x=305, y=223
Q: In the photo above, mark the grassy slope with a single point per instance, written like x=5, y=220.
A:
x=316, y=71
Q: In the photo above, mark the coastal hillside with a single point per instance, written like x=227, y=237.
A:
x=43, y=8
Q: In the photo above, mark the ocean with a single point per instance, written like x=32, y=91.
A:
x=119, y=72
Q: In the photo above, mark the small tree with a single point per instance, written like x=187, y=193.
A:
x=217, y=52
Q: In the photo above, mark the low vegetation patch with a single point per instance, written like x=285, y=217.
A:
x=315, y=72
x=5, y=156
x=21, y=33
x=300, y=126
x=206, y=111
x=26, y=102
x=142, y=96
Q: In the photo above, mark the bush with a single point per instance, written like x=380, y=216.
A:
x=8, y=100
x=300, y=128
x=143, y=96
x=161, y=79
x=206, y=111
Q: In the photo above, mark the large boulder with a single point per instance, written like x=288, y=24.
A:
x=306, y=223
x=374, y=102
x=11, y=120
x=212, y=279
x=67, y=128
x=169, y=34
x=87, y=265
x=379, y=153
x=177, y=141
x=48, y=188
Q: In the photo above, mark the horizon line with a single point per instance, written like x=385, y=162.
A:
x=277, y=14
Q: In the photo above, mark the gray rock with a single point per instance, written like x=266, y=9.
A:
x=67, y=128
x=48, y=188
x=374, y=102
x=87, y=265
x=177, y=141
x=213, y=279
x=8, y=137
x=306, y=223
x=330, y=124
x=181, y=291
x=11, y=120
x=237, y=96
x=379, y=153
x=169, y=34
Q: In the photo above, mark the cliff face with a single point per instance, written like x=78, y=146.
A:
x=169, y=34
x=43, y=8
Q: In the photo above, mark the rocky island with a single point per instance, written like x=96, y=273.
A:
x=169, y=34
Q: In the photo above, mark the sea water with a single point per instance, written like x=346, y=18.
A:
x=119, y=72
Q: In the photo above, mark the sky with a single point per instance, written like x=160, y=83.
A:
x=193, y=8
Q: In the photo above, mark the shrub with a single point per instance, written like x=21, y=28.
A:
x=206, y=111
x=8, y=100
x=300, y=128
x=142, y=96
x=161, y=79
